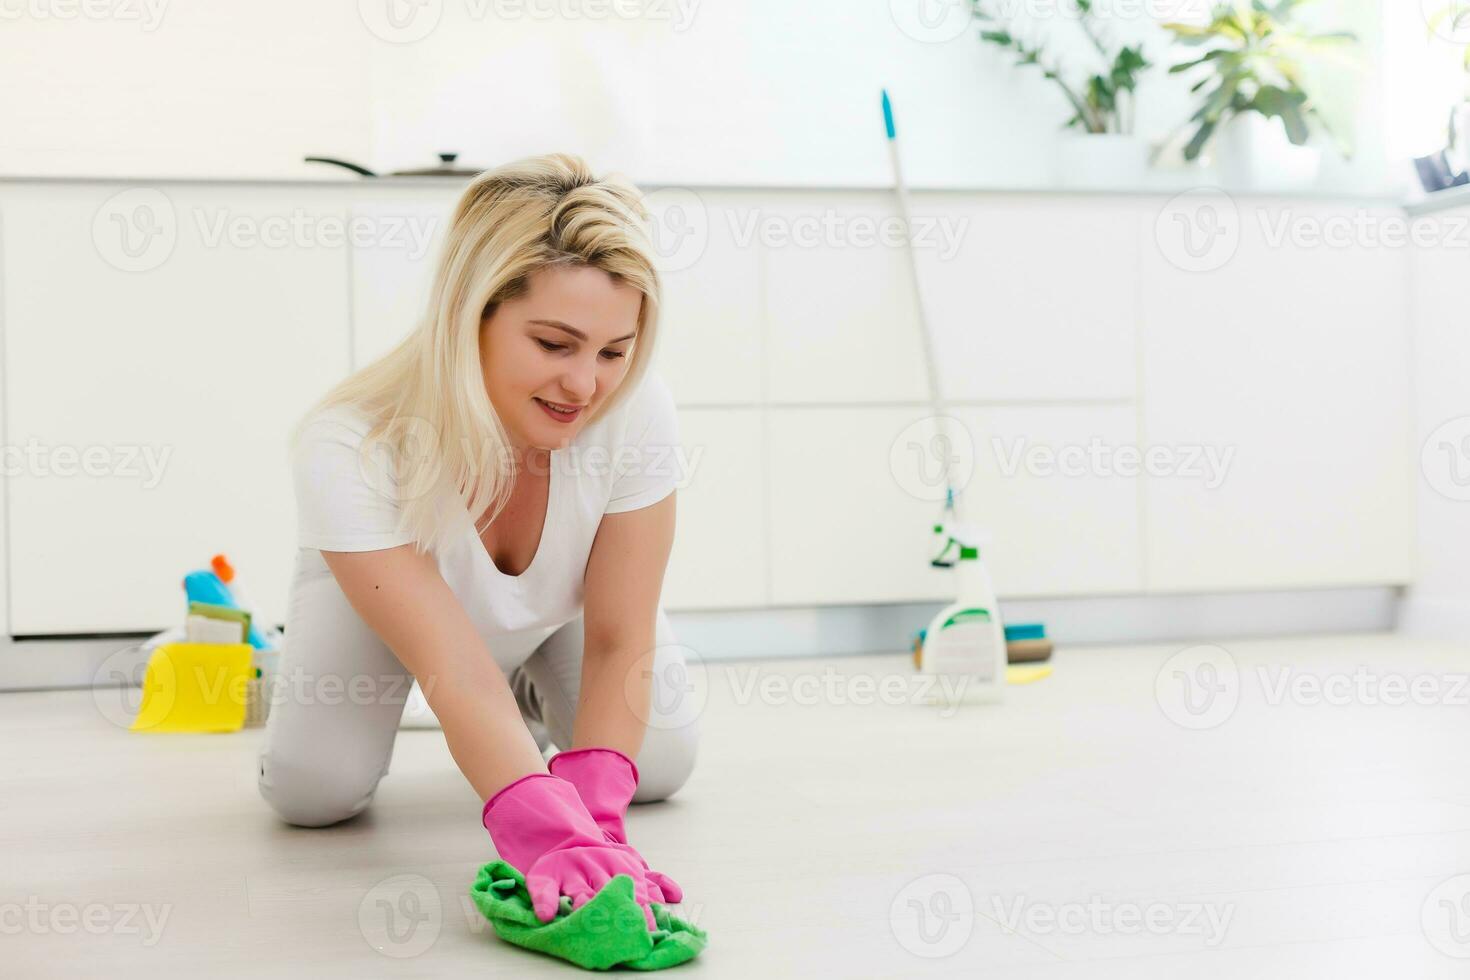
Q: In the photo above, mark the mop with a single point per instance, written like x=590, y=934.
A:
x=608, y=931
x=960, y=541
x=950, y=519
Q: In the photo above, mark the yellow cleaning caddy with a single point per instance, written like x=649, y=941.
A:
x=195, y=687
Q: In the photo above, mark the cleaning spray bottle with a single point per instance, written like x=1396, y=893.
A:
x=965, y=643
x=266, y=656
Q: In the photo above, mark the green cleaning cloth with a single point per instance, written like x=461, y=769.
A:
x=608, y=931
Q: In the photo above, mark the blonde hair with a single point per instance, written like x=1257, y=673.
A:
x=510, y=223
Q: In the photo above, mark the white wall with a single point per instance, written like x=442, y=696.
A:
x=194, y=89
x=750, y=92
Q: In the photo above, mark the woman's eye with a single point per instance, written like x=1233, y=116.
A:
x=547, y=345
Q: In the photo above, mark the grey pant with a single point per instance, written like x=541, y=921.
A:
x=340, y=694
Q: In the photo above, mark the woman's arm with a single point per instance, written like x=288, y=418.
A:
x=405, y=600
x=620, y=596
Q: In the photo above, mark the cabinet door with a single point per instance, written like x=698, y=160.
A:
x=840, y=303
x=711, y=330
x=848, y=524
x=719, y=557
x=1442, y=353
x=1030, y=298
x=159, y=345
x=1293, y=359
x=1056, y=492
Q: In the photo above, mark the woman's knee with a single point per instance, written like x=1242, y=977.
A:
x=312, y=794
x=666, y=761
x=671, y=739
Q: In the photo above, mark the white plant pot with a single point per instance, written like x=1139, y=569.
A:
x=1101, y=160
x=1253, y=152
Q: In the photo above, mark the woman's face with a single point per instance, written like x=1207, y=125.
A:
x=563, y=344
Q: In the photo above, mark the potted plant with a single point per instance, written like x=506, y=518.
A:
x=1255, y=110
x=1104, y=151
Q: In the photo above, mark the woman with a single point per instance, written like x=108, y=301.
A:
x=523, y=398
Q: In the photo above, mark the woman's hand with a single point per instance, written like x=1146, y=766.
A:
x=606, y=780
x=541, y=827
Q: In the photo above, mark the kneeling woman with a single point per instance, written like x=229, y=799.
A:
x=488, y=509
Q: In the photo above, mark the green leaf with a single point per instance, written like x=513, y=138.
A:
x=1206, y=59
x=1190, y=35
x=1219, y=100
x=1100, y=95
x=1195, y=145
x=1287, y=106
x=1296, y=124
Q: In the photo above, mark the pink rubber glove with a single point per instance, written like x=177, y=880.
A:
x=541, y=827
x=606, y=780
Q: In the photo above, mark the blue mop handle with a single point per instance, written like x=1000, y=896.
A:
x=888, y=116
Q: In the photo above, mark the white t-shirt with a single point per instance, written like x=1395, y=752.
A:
x=622, y=461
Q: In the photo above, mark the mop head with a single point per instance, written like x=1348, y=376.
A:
x=608, y=931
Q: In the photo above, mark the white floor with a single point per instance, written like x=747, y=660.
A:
x=1076, y=831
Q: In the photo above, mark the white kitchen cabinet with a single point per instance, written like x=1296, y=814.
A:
x=1054, y=491
x=1030, y=298
x=847, y=526
x=792, y=350
x=711, y=336
x=1440, y=601
x=202, y=353
x=1295, y=359
x=720, y=555
x=839, y=303
x=393, y=261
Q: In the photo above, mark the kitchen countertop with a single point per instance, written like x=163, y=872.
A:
x=1171, y=183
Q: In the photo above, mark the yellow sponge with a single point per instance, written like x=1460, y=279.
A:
x=195, y=687
x=1027, y=673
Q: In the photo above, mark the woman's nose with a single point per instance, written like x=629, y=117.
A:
x=580, y=379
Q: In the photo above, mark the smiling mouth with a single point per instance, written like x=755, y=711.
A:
x=558, y=411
